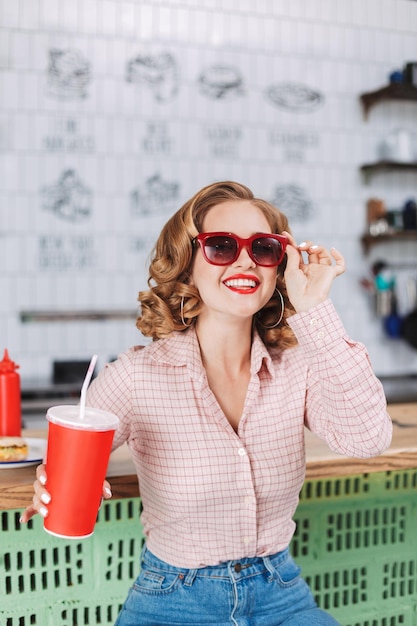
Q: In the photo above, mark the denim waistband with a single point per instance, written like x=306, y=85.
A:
x=236, y=568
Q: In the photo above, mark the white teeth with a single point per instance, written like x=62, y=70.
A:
x=240, y=282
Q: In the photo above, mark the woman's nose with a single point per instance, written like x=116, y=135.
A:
x=244, y=259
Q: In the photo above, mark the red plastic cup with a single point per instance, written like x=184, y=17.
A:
x=77, y=456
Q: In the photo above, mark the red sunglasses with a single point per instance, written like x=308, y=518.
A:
x=224, y=248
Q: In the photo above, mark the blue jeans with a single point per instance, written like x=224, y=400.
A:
x=259, y=591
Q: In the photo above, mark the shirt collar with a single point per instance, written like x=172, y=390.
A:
x=260, y=355
x=182, y=349
x=179, y=349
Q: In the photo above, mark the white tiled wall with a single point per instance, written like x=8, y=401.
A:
x=80, y=161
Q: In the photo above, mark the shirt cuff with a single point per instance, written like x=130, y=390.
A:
x=317, y=328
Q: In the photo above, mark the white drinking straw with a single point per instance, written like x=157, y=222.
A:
x=85, y=385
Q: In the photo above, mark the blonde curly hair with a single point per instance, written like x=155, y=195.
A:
x=171, y=300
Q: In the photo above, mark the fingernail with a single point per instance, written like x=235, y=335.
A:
x=301, y=245
x=313, y=247
x=21, y=519
x=42, y=480
x=107, y=491
x=43, y=511
x=46, y=498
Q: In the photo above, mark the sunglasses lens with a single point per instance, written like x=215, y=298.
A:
x=220, y=250
x=267, y=251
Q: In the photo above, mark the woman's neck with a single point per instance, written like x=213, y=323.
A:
x=225, y=346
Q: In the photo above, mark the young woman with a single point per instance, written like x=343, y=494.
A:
x=248, y=351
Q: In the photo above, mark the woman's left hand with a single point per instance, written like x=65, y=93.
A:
x=309, y=281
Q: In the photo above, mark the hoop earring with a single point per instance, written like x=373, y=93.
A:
x=182, y=313
x=280, y=317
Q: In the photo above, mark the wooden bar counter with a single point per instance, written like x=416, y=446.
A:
x=16, y=484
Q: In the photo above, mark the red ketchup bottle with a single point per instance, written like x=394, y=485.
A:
x=10, y=402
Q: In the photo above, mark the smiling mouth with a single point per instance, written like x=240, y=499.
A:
x=241, y=283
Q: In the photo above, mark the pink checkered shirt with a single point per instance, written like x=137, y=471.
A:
x=210, y=494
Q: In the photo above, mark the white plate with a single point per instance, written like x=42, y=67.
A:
x=37, y=449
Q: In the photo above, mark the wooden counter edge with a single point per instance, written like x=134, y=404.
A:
x=347, y=467
x=18, y=494
x=126, y=486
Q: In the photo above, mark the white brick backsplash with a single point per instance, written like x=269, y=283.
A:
x=125, y=19
x=78, y=147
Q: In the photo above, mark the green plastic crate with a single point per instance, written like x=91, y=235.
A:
x=399, y=617
x=356, y=541
x=50, y=581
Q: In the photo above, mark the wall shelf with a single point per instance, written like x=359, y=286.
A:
x=371, y=240
x=393, y=91
x=383, y=166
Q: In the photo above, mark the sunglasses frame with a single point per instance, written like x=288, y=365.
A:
x=242, y=243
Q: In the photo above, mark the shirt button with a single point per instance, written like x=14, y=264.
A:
x=320, y=335
x=241, y=452
x=247, y=500
x=246, y=540
x=313, y=321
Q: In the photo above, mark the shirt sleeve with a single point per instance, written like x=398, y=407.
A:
x=111, y=391
x=345, y=401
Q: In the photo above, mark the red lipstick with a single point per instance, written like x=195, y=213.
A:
x=242, y=283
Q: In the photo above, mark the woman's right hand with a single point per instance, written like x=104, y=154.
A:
x=41, y=497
